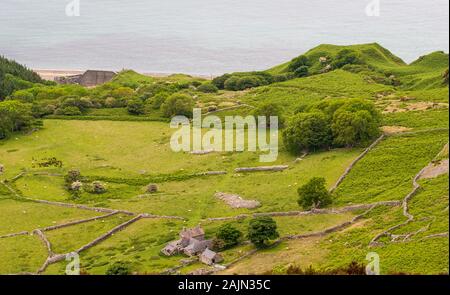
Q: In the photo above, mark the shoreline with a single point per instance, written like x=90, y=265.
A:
x=51, y=74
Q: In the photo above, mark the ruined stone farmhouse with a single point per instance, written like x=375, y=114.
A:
x=192, y=242
x=89, y=79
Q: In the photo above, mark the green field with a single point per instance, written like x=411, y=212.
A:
x=127, y=152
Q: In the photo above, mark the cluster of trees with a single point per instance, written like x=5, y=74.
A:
x=242, y=81
x=14, y=76
x=261, y=230
x=332, y=123
x=16, y=116
x=73, y=100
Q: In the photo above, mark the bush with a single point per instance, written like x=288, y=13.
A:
x=136, y=107
x=15, y=116
x=307, y=131
x=119, y=269
x=207, y=88
x=72, y=176
x=301, y=61
x=345, y=57
x=97, y=187
x=270, y=109
x=178, y=104
x=302, y=71
x=229, y=235
x=314, y=194
x=157, y=100
x=68, y=111
x=219, y=82
x=261, y=230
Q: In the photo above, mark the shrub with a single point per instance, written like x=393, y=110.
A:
x=231, y=83
x=261, y=230
x=345, y=57
x=302, y=71
x=314, y=194
x=298, y=62
x=68, y=111
x=136, y=107
x=119, y=268
x=178, y=104
x=270, y=109
x=157, y=100
x=219, y=82
x=229, y=235
x=351, y=128
x=97, y=187
x=72, y=176
x=207, y=88
x=307, y=131
x=15, y=116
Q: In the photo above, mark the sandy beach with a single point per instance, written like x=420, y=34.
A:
x=50, y=75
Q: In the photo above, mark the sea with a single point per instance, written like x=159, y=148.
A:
x=210, y=37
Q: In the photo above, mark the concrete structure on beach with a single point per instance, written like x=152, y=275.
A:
x=90, y=78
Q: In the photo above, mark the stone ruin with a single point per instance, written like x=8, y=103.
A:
x=89, y=79
x=192, y=242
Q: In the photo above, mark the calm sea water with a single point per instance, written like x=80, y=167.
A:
x=209, y=36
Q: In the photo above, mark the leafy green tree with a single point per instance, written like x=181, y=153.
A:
x=314, y=194
x=229, y=235
x=208, y=88
x=307, y=131
x=261, y=230
x=178, y=104
x=136, y=107
x=345, y=57
x=352, y=128
x=15, y=116
x=300, y=61
x=269, y=109
x=157, y=100
x=219, y=82
x=302, y=71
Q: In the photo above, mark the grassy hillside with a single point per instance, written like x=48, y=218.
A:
x=96, y=131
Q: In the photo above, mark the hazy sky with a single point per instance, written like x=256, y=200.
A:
x=210, y=36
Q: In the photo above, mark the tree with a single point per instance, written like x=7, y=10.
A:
x=119, y=268
x=261, y=230
x=135, y=107
x=302, y=71
x=345, y=57
x=229, y=235
x=352, y=128
x=298, y=62
x=270, y=109
x=157, y=100
x=307, y=131
x=314, y=194
x=15, y=116
x=178, y=104
x=207, y=88
x=219, y=82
